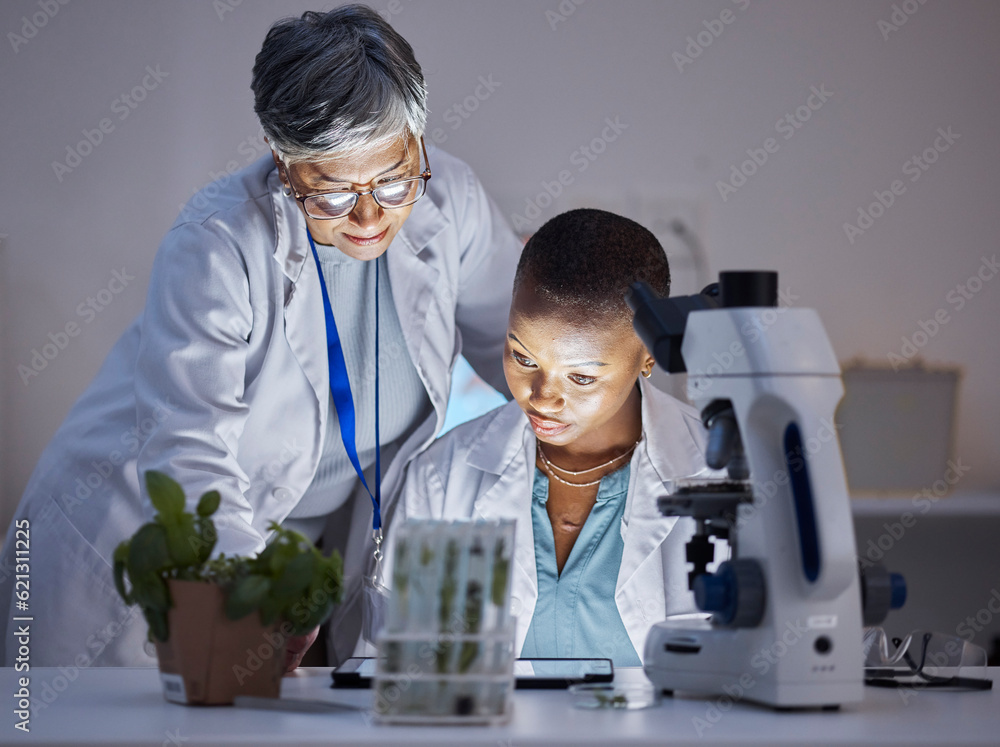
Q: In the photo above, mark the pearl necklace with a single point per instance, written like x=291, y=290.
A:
x=549, y=468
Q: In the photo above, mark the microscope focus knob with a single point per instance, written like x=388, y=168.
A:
x=898, y=583
x=713, y=593
x=735, y=593
x=881, y=591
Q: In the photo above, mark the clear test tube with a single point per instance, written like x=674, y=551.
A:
x=470, y=656
x=425, y=576
x=500, y=583
x=399, y=598
x=448, y=593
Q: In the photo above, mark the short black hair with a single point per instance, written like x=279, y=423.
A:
x=586, y=259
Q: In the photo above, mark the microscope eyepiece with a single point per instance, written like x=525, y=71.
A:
x=740, y=288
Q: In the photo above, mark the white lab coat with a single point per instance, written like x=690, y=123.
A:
x=485, y=469
x=223, y=383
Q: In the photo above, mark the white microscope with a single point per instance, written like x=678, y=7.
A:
x=786, y=623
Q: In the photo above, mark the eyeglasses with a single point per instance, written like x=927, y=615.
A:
x=924, y=659
x=395, y=194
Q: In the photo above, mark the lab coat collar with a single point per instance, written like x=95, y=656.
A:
x=666, y=452
x=413, y=278
x=662, y=422
x=426, y=221
x=290, y=244
x=504, y=446
x=507, y=423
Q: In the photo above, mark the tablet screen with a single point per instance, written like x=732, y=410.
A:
x=528, y=673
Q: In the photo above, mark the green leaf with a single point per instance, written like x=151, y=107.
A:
x=208, y=504
x=120, y=558
x=151, y=593
x=263, y=561
x=182, y=541
x=207, y=537
x=157, y=620
x=297, y=575
x=501, y=569
x=316, y=616
x=473, y=609
x=247, y=595
x=443, y=650
x=449, y=587
x=270, y=610
x=467, y=655
x=147, y=552
x=166, y=495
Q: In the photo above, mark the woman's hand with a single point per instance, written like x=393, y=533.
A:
x=297, y=647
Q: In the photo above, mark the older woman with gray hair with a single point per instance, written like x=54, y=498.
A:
x=328, y=284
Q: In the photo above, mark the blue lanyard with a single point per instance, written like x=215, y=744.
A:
x=340, y=388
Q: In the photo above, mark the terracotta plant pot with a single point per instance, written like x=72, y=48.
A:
x=208, y=658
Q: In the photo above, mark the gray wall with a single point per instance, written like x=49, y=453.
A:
x=556, y=77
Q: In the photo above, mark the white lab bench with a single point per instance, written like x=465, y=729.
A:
x=104, y=706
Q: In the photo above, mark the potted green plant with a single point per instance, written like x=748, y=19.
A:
x=220, y=624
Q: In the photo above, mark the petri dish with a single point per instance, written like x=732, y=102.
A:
x=614, y=697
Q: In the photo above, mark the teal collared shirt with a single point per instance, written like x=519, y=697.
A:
x=576, y=615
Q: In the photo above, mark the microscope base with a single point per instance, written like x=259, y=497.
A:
x=762, y=665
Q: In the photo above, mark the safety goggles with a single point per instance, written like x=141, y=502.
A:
x=924, y=659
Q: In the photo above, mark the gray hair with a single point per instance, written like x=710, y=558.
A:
x=331, y=83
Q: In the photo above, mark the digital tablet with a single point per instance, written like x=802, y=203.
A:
x=528, y=673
